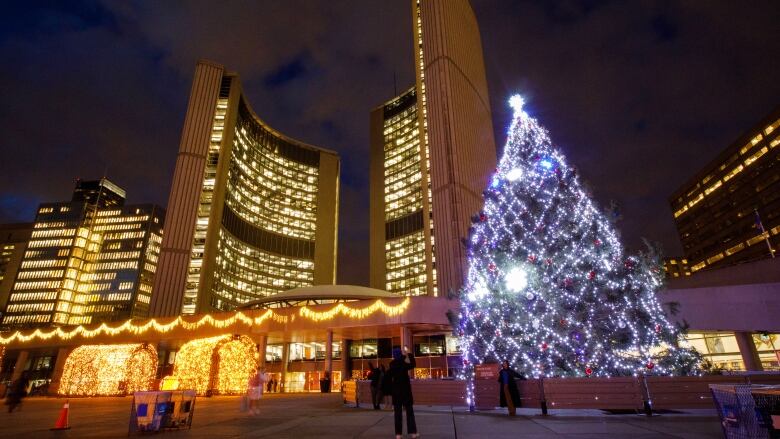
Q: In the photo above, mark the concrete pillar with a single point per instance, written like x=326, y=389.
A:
x=21, y=361
x=285, y=361
x=406, y=338
x=262, y=346
x=748, y=350
x=59, y=367
x=408, y=341
x=346, y=362
x=329, y=352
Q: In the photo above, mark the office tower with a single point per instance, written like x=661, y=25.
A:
x=88, y=260
x=729, y=212
x=13, y=242
x=676, y=267
x=251, y=212
x=432, y=152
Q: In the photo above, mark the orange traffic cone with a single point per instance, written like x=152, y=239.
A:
x=62, y=421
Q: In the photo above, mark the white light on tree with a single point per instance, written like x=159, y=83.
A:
x=514, y=174
x=516, y=280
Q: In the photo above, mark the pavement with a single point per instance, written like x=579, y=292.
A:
x=323, y=416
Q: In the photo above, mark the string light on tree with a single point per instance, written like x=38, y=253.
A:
x=564, y=300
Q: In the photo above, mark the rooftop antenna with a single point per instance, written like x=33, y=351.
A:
x=395, y=85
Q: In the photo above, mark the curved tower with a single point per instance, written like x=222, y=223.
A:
x=252, y=212
x=432, y=153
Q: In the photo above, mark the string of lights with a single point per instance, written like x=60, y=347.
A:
x=355, y=313
x=131, y=327
x=548, y=286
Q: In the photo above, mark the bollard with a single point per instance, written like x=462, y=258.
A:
x=646, y=401
x=542, y=398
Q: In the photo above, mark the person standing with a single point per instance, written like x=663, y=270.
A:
x=17, y=392
x=401, y=387
x=508, y=393
x=375, y=375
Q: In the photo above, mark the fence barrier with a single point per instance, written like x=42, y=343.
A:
x=642, y=394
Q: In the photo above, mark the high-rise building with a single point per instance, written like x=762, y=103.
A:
x=88, y=260
x=432, y=152
x=251, y=212
x=729, y=212
x=13, y=242
x=676, y=267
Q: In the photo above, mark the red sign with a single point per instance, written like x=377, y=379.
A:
x=486, y=371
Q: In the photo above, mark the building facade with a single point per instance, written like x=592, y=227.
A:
x=432, y=152
x=13, y=242
x=251, y=211
x=88, y=260
x=676, y=267
x=729, y=213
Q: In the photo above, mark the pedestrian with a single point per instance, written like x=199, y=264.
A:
x=270, y=385
x=375, y=375
x=17, y=392
x=401, y=387
x=382, y=392
x=508, y=393
x=255, y=391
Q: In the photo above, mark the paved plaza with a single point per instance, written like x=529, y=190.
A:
x=324, y=416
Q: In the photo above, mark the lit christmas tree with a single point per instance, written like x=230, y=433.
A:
x=549, y=288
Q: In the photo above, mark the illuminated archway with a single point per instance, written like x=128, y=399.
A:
x=222, y=364
x=237, y=362
x=105, y=370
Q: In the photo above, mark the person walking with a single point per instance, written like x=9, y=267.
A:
x=508, y=393
x=255, y=391
x=375, y=375
x=401, y=387
x=17, y=392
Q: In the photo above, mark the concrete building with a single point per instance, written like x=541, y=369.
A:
x=251, y=211
x=432, y=152
x=676, y=267
x=732, y=314
x=729, y=212
x=13, y=242
x=91, y=259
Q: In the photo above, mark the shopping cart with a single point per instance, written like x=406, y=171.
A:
x=748, y=411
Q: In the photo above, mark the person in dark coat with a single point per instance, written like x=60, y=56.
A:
x=17, y=392
x=398, y=373
x=508, y=393
x=375, y=375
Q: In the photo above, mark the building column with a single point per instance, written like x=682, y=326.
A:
x=59, y=367
x=329, y=352
x=21, y=361
x=346, y=362
x=285, y=361
x=262, y=346
x=748, y=351
x=406, y=338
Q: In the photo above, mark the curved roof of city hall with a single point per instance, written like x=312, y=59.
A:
x=313, y=294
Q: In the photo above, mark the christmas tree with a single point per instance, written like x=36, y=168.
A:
x=549, y=288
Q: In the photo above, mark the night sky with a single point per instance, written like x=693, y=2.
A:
x=638, y=95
